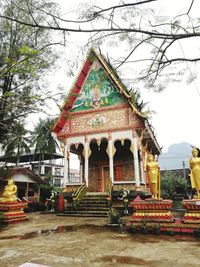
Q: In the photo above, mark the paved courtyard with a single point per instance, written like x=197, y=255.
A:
x=47, y=239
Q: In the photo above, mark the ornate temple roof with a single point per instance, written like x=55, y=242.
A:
x=79, y=81
x=114, y=78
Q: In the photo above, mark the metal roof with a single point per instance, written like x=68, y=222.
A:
x=32, y=157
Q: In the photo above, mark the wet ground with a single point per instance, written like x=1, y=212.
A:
x=69, y=241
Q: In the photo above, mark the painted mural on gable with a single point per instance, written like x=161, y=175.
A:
x=97, y=92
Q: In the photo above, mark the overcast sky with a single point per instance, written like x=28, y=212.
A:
x=177, y=117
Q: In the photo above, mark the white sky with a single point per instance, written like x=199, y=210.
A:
x=177, y=107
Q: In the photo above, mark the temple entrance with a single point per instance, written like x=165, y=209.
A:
x=98, y=166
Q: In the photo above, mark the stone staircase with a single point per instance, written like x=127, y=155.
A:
x=92, y=205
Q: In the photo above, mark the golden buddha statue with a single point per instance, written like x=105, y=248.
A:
x=153, y=174
x=9, y=192
x=195, y=171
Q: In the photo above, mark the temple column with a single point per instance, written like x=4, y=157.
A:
x=66, y=165
x=86, y=161
x=27, y=189
x=111, y=165
x=39, y=193
x=142, y=168
x=80, y=169
x=136, y=163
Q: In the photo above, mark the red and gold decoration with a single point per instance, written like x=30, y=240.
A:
x=154, y=215
x=152, y=210
x=13, y=212
x=11, y=208
x=192, y=214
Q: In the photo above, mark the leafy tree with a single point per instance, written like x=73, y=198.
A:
x=16, y=142
x=25, y=56
x=135, y=25
x=172, y=184
x=43, y=141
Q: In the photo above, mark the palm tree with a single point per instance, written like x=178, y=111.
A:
x=43, y=141
x=16, y=142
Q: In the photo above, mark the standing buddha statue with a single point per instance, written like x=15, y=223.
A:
x=195, y=171
x=153, y=174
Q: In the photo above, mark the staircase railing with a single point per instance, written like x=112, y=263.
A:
x=79, y=194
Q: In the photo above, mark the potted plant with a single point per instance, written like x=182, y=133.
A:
x=113, y=216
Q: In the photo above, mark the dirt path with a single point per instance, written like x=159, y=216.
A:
x=69, y=241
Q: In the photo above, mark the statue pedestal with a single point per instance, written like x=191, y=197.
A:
x=192, y=215
x=151, y=215
x=152, y=210
x=13, y=211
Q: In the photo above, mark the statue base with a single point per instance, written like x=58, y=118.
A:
x=152, y=210
x=192, y=214
x=13, y=212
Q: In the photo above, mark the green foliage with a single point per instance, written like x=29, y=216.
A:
x=5, y=172
x=1, y=217
x=16, y=142
x=156, y=229
x=25, y=56
x=139, y=104
x=35, y=206
x=172, y=184
x=113, y=216
x=43, y=141
x=48, y=179
x=45, y=192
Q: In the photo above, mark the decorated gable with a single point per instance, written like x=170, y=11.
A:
x=98, y=101
x=98, y=91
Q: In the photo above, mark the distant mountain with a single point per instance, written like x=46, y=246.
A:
x=177, y=155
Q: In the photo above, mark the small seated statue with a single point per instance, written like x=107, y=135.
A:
x=9, y=192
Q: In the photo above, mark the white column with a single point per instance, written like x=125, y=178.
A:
x=41, y=169
x=66, y=167
x=81, y=173
x=27, y=189
x=86, y=161
x=80, y=169
x=136, y=164
x=142, y=168
x=39, y=193
x=111, y=166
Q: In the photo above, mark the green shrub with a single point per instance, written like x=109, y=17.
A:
x=1, y=217
x=171, y=185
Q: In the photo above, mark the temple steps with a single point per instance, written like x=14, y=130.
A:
x=92, y=205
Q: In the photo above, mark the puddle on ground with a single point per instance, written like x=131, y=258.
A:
x=124, y=260
x=120, y=232
x=9, y=237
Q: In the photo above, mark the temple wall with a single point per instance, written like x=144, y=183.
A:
x=127, y=186
x=128, y=172
x=93, y=185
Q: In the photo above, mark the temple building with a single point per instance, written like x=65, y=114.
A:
x=101, y=122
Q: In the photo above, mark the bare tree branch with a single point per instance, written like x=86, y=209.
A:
x=139, y=44
x=153, y=34
x=179, y=59
x=130, y=23
x=124, y=5
x=191, y=4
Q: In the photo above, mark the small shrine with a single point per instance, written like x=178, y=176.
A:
x=102, y=124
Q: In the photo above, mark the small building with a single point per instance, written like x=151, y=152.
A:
x=102, y=124
x=43, y=165
x=50, y=166
x=27, y=182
